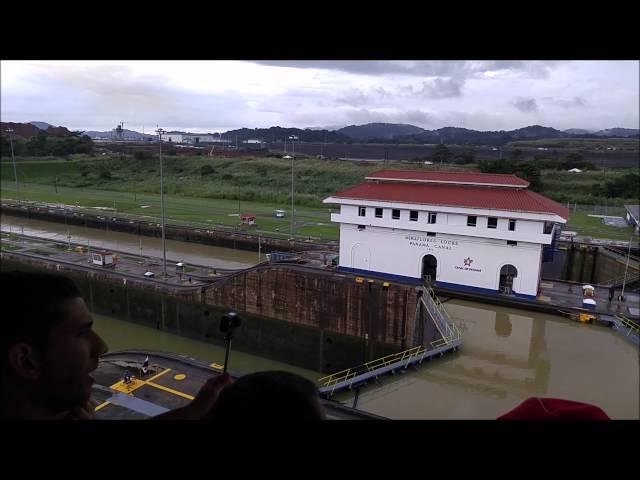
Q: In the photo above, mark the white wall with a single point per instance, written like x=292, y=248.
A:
x=449, y=223
x=400, y=252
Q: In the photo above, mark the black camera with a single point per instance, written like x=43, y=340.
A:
x=229, y=322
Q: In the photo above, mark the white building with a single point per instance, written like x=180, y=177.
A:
x=173, y=138
x=193, y=138
x=474, y=231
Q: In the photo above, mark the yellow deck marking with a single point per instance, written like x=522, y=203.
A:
x=179, y=376
x=136, y=383
x=544, y=298
x=216, y=365
x=102, y=405
x=170, y=390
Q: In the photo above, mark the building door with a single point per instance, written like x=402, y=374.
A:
x=429, y=268
x=507, y=274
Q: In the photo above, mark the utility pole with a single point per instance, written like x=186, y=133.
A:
x=160, y=131
x=13, y=159
x=624, y=281
x=293, y=138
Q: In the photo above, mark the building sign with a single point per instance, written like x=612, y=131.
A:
x=431, y=243
x=467, y=262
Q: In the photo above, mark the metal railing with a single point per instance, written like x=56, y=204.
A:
x=349, y=374
x=448, y=330
x=632, y=326
x=623, y=253
x=616, y=281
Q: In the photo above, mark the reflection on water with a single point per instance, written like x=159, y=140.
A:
x=194, y=253
x=122, y=335
x=507, y=356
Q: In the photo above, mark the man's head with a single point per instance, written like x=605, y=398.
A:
x=270, y=395
x=47, y=345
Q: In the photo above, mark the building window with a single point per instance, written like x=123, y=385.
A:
x=492, y=222
x=395, y=214
x=361, y=227
x=432, y=217
x=471, y=221
x=378, y=213
x=431, y=234
x=511, y=242
x=512, y=225
x=413, y=215
x=548, y=228
x=362, y=211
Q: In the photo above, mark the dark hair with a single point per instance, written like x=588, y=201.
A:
x=32, y=307
x=271, y=395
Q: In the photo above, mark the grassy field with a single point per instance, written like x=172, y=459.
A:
x=583, y=224
x=579, y=187
x=202, y=212
x=249, y=185
x=265, y=180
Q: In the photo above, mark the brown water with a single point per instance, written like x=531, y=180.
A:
x=507, y=356
x=122, y=335
x=194, y=253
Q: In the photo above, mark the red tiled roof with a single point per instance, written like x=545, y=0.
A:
x=519, y=200
x=451, y=177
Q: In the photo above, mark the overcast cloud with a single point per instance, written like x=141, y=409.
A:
x=211, y=96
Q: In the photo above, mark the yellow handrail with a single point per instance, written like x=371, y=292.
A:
x=629, y=324
x=452, y=333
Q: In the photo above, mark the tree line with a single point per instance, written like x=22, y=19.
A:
x=43, y=145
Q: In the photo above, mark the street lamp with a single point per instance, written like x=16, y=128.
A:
x=293, y=139
x=13, y=159
x=626, y=268
x=160, y=131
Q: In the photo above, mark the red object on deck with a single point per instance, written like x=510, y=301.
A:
x=536, y=408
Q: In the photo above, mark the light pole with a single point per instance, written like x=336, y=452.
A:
x=160, y=131
x=13, y=159
x=624, y=281
x=293, y=139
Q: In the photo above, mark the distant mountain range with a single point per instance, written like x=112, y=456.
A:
x=41, y=125
x=385, y=133
x=28, y=130
x=412, y=134
x=111, y=134
x=402, y=133
x=380, y=130
x=617, y=132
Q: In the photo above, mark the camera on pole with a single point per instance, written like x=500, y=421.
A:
x=228, y=323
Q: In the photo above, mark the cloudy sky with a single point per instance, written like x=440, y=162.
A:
x=212, y=96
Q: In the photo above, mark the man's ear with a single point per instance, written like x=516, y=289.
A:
x=24, y=361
